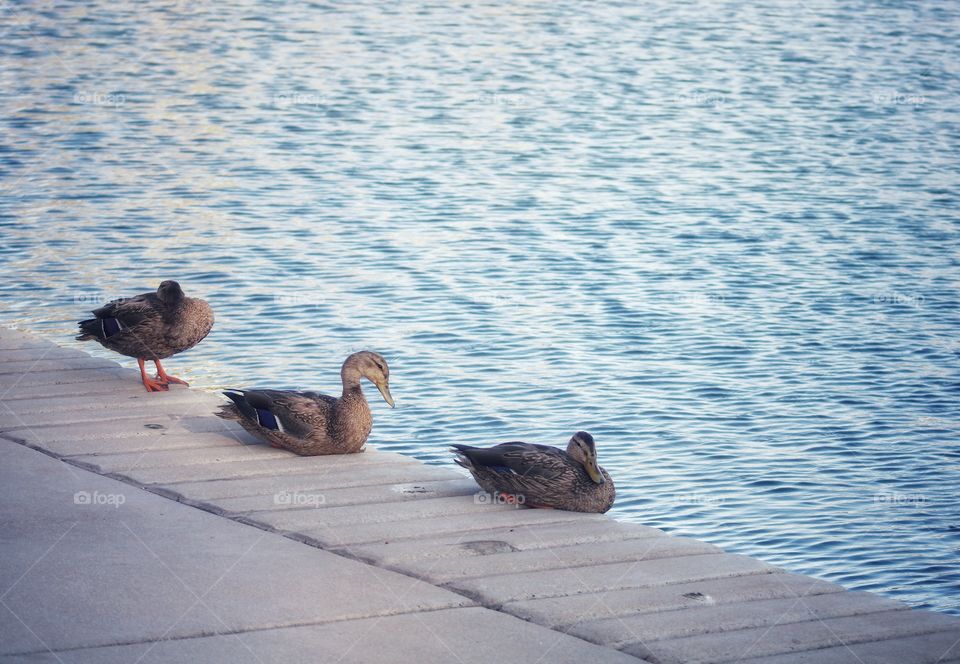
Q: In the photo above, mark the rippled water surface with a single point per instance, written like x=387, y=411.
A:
x=721, y=236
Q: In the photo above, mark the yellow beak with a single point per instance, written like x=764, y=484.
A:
x=385, y=393
x=593, y=470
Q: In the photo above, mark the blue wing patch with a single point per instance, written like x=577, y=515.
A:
x=110, y=327
x=267, y=420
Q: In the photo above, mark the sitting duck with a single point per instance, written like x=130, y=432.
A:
x=309, y=423
x=542, y=476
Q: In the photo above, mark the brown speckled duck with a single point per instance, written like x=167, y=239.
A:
x=542, y=476
x=309, y=423
x=151, y=326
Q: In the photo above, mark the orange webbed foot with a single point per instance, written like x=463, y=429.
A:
x=152, y=384
x=165, y=378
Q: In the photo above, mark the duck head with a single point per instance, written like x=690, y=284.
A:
x=582, y=448
x=371, y=366
x=169, y=292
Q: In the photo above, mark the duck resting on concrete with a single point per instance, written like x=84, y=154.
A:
x=309, y=423
x=541, y=475
x=151, y=326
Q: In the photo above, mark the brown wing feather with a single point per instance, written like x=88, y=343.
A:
x=132, y=310
x=299, y=413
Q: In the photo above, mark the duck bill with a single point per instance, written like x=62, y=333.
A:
x=385, y=393
x=593, y=471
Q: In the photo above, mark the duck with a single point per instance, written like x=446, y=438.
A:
x=309, y=423
x=542, y=476
x=151, y=326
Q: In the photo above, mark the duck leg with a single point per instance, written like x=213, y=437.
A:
x=165, y=378
x=148, y=382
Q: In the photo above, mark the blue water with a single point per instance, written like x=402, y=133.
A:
x=721, y=236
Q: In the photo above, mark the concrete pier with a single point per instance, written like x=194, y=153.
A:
x=139, y=527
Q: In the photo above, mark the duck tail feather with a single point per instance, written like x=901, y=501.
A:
x=89, y=329
x=460, y=457
x=239, y=408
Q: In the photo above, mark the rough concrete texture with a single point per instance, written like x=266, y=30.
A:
x=936, y=648
x=563, y=559
x=593, y=579
x=588, y=609
x=451, y=636
x=734, y=646
x=91, y=561
x=465, y=525
x=127, y=461
x=163, y=442
x=264, y=467
x=348, y=516
x=499, y=540
x=370, y=474
x=356, y=495
x=690, y=621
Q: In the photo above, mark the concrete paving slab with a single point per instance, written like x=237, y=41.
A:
x=617, y=632
x=15, y=422
x=178, y=399
x=7, y=345
x=12, y=340
x=936, y=648
x=140, y=444
x=793, y=637
x=565, y=612
x=89, y=561
x=370, y=474
x=361, y=495
x=147, y=425
x=459, y=524
x=336, y=519
x=11, y=335
x=569, y=558
x=291, y=464
x=100, y=383
x=450, y=636
x=126, y=461
x=498, y=540
x=53, y=363
x=14, y=385
x=37, y=352
x=497, y=590
x=177, y=403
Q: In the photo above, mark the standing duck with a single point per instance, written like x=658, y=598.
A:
x=151, y=326
x=309, y=423
x=542, y=476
